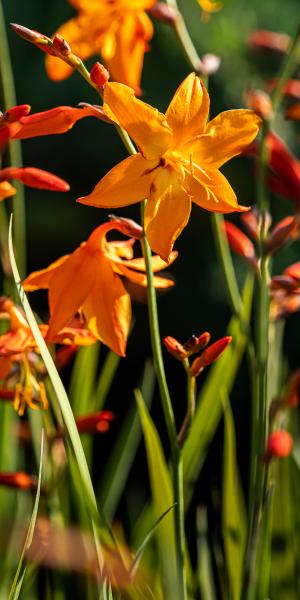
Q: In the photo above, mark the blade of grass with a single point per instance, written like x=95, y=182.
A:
x=21, y=569
x=205, y=573
x=106, y=378
x=82, y=384
x=234, y=518
x=120, y=461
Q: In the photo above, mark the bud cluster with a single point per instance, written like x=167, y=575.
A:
x=197, y=345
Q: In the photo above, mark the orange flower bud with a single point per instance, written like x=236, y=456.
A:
x=196, y=344
x=286, y=230
x=262, y=39
x=95, y=423
x=99, y=75
x=164, y=13
x=35, y=178
x=19, y=480
x=209, y=355
x=61, y=45
x=175, y=348
x=38, y=39
x=240, y=243
x=291, y=88
x=280, y=444
x=250, y=221
x=14, y=114
x=293, y=395
x=127, y=226
x=260, y=102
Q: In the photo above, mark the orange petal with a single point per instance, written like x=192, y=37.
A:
x=146, y=125
x=226, y=135
x=167, y=213
x=217, y=196
x=40, y=279
x=6, y=190
x=36, y=178
x=5, y=366
x=127, y=183
x=188, y=111
x=157, y=263
x=141, y=278
x=69, y=286
x=107, y=308
x=55, y=120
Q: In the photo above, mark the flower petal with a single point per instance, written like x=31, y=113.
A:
x=6, y=190
x=69, y=286
x=141, y=278
x=145, y=124
x=127, y=183
x=188, y=111
x=55, y=120
x=157, y=263
x=225, y=136
x=107, y=309
x=40, y=279
x=217, y=196
x=36, y=178
x=167, y=212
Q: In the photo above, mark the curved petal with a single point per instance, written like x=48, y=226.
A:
x=55, y=120
x=126, y=183
x=107, y=309
x=40, y=279
x=218, y=196
x=226, y=135
x=6, y=190
x=145, y=124
x=141, y=278
x=167, y=213
x=69, y=286
x=188, y=111
x=157, y=264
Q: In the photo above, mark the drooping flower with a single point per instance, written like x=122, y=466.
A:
x=91, y=280
x=118, y=30
x=178, y=160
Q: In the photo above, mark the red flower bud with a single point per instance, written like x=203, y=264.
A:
x=196, y=344
x=95, y=423
x=209, y=355
x=262, y=39
x=99, y=75
x=175, y=348
x=293, y=112
x=280, y=444
x=61, y=45
x=240, y=243
x=35, y=178
x=164, y=13
x=286, y=230
x=14, y=114
x=38, y=39
x=293, y=395
x=291, y=88
x=19, y=480
x=293, y=271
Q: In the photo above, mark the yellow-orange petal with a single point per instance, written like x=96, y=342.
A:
x=226, y=135
x=126, y=183
x=69, y=286
x=40, y=279
x=218, y=196
x=107, y=308
x=141, y=278
x=188, y=110
x=157, y=264
x=5, y=366
x=6, y=190
x=55, y=120
x=145, y=124
x=167, y=212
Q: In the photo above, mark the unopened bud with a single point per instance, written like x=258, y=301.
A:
x=95, y=423
x=283, y=282
x=164, y=13
x=210, y=64
x=18, y=480
x=61, y=45
x=35, y=178
x=293, y=394
x=293, y=271
x=40, y=40
x=280, y=444
x=175, y=348
x=196, y=344
x=286, y=230
x=209, y=355
x=127, y=226
x=262, y=39
x=240, y=243
x=14, y=114
x=293, y=112
x=99, y=75
x=261, y=103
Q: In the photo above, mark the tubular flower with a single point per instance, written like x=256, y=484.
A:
x=91, y=280
x=178, y=160
x=35, y=178
x=119, y=30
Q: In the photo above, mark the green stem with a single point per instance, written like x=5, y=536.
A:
x=191, y=405
x=288, y=67
x=8, y=97
x=184, y=39
x=169, y=418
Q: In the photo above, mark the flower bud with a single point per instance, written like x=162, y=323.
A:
x=209, y=355
x=19, y=480
x=293, y=271
x=240, y=243
x=280, y=444
x=291, y=88
x=286, y=230
x=38, y=39
x=164, y=13
x=196, y=344
x=293, y=112
x=175, y=348
x=293, y=394
x=127, y=226
x=14, y=114
x=262, y=39
x=261, y=103
x=61, y=45
x=95, y=423
x=283, y=282
x=99, y=75
x=35, y=178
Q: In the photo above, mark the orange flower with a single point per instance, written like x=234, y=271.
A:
x=119, y=30
x=10, y=116
x=209, y=7
x=91, y=280
x=35, y=178
x=178, y=160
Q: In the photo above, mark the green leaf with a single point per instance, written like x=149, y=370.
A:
x=234, y=518
x=106, y=377
x=162, y=499
x=209, y=402
x=21, y=570
x=82, y=384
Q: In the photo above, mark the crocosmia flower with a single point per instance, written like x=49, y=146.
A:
x=178, y=160
x=90, y=280
x=118, y=30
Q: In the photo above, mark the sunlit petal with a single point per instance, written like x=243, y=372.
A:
x=41, y=279
x=188, y=110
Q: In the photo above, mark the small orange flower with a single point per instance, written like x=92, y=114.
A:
x=178, y=161
x=118, y=30
x=91, y=280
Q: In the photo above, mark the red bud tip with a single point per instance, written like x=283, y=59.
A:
x=240, y=243
x=61, y=45
x=293, y=112
x=196, y=344
x=215, y=350
x=99, y=75
x=280, y=444
x=164, y=13
x=14, y=114
x=261, y=103
x=262, y=39
x=286, y=230
x=30, y=35
x=293, y=395
x=175, y=348
x=97, y=422
x=35, y=178
x=127, y=226
x=18, y=480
